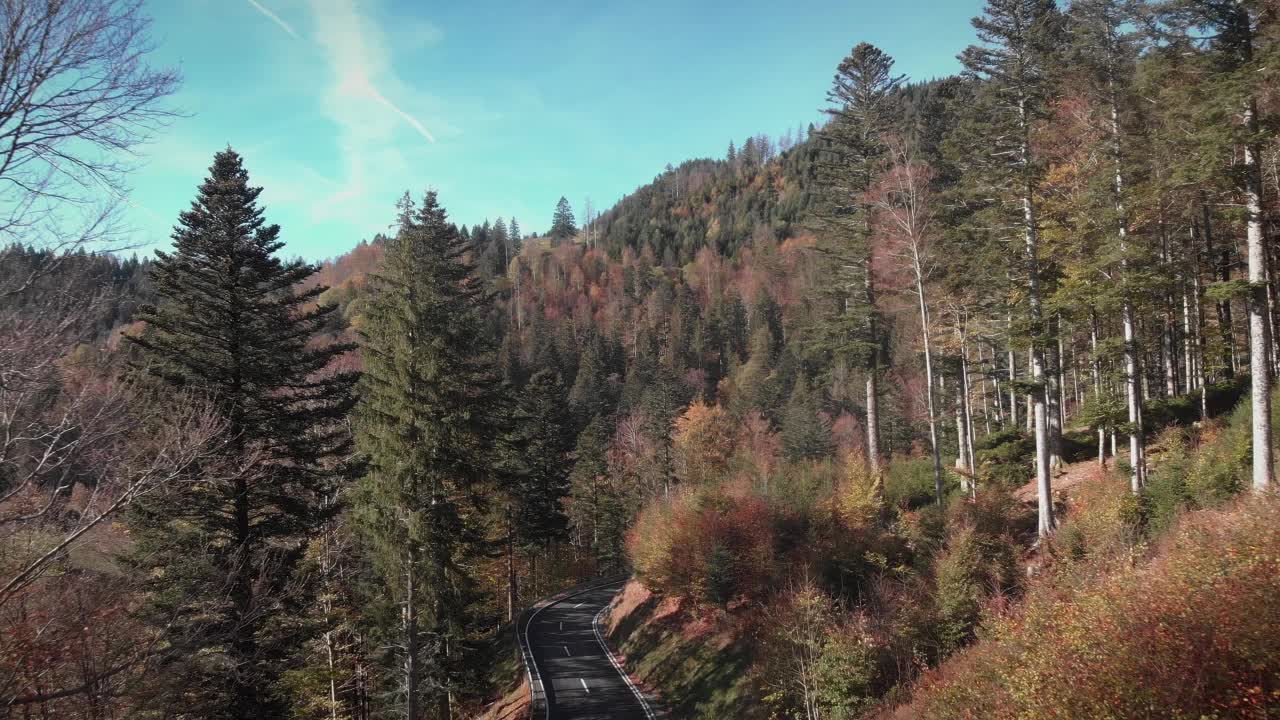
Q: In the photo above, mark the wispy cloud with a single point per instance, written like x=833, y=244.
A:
x=357, y=99
x=369, y=106
x=275, y=19
x=357, y=42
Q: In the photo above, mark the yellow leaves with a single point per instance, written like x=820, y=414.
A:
x=703, y=440
x=861, y=498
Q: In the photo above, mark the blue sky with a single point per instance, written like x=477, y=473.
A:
x=339, y=106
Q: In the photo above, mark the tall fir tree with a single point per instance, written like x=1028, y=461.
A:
x=563, y=224
x=806, y=433
x=861, y=111
x=1237, y=40
x=426, y=423
x=538, y=445
x=1105, y=48
x=230, y=326
x=1019, y=39
x=517, y=241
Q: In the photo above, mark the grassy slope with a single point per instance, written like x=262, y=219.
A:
x=699, y=665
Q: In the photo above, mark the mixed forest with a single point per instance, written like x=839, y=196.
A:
x=826, y=396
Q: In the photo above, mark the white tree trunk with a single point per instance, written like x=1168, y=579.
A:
x=1259, y=344
x=1133, y=392
x=1013, y=391
x=1097, y=385
x=966, y=394
x=410, y=621
x=918, y=268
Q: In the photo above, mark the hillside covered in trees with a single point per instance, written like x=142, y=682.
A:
x=955, y=404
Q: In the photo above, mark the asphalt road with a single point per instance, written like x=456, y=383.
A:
x=572, y=664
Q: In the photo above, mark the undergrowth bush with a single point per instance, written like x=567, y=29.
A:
x=1005, y=458
x=908, y=483
x=1189, y=635
x=980, y=560
x=852, y=583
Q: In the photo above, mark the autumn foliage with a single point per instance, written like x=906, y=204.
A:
x=1190, y=635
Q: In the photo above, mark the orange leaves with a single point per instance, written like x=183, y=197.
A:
x=1190, y=634
x=703, y=438
x=709, y=545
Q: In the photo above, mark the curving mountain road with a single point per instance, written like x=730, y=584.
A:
x=572, y=673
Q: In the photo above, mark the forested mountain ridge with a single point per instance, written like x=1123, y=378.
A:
x=816, y=395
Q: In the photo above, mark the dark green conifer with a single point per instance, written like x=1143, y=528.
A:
x=563, y=224
x=426, y=423
x=230, y=326
x=806, y=433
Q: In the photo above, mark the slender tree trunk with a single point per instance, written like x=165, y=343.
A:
x=1133, y=396
x=1030, y=399
x=1220, y=264
x=1013, y=391
x=1259, y=343
x=411, y=641
x=1132, y=389
x=1269, y=284
x=1044, y=485
x=1097, y=384
x=1201, y=379
x=328, y=569
x=512, y=576
x=918, y=268
x=986, y=390
x=966, y=407
x=873, y=422
x=995, y=385
x=1188, y=362
x=962, y=443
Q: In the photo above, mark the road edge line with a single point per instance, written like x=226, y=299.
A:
x=617, y=665
x=531, y=662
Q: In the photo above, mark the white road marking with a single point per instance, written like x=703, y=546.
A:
x=575, y=607
x=566, y=650
x=537, y=686
x=595, y=627
x=561, y=626
x=584, y=685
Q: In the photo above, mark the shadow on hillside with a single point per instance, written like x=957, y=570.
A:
x=698, y=674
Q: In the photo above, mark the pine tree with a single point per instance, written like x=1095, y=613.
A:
x=1107, y=54
x=592, y=393
x=426, y=423
x=496, y=258
x=229, y=326
x=853, y=144
x=1236, y=36
x=517, y=241
x=806, y=433
x=563, y=225
x=541, y=439
x=595, y=507
x=1019, y=38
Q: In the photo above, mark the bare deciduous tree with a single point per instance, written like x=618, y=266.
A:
x=77, y=97
x=77, y=446
x=903, y=201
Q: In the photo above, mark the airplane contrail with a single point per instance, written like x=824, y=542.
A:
x=377, y=94
x=275, y=19
x=422, y=130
